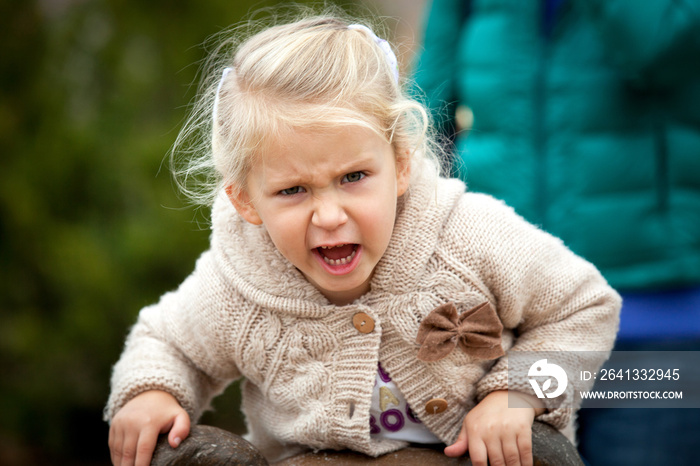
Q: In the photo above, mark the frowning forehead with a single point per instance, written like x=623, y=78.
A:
x=282, y=174
x=316, y=158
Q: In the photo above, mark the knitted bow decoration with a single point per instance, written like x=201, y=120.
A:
x=477, y=331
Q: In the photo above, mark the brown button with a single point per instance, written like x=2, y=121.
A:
x=436, y=406
x=362, y=322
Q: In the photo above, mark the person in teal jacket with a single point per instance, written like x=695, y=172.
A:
x=584, y=115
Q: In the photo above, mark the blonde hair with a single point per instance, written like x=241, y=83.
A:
x=311, y=72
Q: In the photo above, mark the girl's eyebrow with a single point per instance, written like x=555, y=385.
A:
x=362, y=160
x=278, y=182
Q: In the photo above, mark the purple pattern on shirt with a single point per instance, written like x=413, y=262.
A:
x=391, y=420
x=383, y=375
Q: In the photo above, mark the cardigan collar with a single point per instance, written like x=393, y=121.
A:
x=261, y=274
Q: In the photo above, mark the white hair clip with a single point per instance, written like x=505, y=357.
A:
x=227, y=70
x=384, y=45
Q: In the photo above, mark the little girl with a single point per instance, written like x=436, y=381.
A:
x=366, y=301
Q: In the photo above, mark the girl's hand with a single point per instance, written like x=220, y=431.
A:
x=496, y=434
x=136, y=426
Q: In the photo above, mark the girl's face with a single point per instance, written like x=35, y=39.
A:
x=328, y=201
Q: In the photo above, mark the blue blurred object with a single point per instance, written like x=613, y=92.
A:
x=658, y=315
x=650, y=321
x=620, y=437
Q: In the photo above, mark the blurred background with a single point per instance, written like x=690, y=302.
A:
x=92, y=95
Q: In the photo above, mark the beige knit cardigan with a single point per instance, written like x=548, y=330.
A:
x=309, y=374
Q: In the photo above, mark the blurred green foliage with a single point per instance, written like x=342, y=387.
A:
x=92, y=94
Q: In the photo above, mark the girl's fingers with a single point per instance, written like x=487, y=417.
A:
x=180, y=429
x=494, y=451
x=525, y=448
x=459, y=448
x=145, y=446
x=511, y=452
x=127, y=453
x=114, y=443
x=477, y=453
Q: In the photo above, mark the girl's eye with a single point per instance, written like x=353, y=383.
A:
x=353, y=177
x=292, y=191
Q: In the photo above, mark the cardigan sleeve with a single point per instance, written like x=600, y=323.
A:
x=551, y=299
x=177, y=346
x=655, y=41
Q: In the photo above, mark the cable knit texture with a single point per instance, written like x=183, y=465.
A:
x=309, y=374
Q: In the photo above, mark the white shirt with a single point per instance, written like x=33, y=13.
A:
x=391, y=416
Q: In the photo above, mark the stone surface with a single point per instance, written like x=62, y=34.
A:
x=208, y=446
x=550, y=448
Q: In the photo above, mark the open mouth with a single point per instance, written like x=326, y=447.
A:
x=338, y=255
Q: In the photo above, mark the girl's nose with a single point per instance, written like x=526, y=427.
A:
x=328, y=214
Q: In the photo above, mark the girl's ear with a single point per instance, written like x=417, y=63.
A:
x=403, y=172
x=241, y=201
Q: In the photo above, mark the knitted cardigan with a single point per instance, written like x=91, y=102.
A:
x=309, y=374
